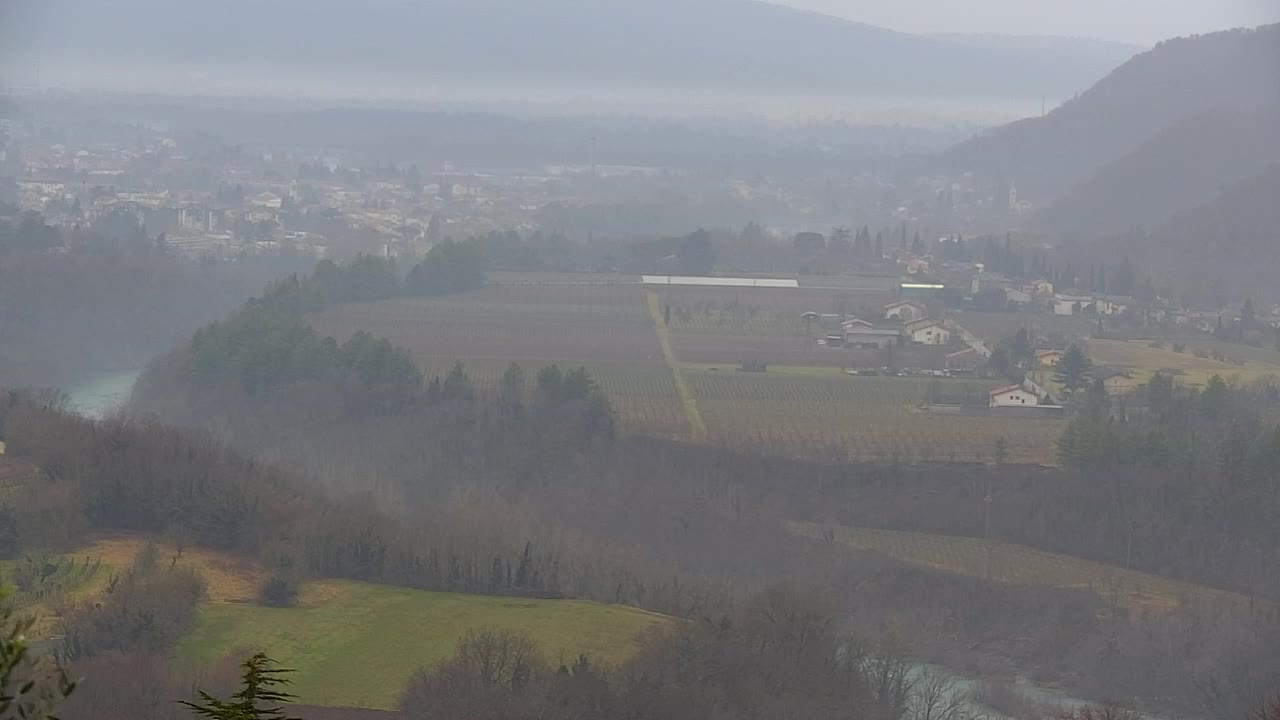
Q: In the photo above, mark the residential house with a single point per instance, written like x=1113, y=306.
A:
x=1041, y=393
x=905, y=311
x=917, y=266
x=1039, y=288
x=1202, y=320
x=268, y=200
x=1013, y=396
x=1048, y=358
x=1017, y=297
x=1112, y=304
x=260, y=215
x=1064, y=304
x=966, y=360
x=928, y=332
x=855, y=323
x=1117, y=382
x=980, y=280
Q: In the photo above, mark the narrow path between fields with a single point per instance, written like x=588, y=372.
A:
x=697, y=428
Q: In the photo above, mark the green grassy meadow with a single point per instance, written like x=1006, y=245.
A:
x=356, y=644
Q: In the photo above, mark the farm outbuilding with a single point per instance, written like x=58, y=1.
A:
x=861, y=336
x=1117, y=382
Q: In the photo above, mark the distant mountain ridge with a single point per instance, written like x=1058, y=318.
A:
x=729, y=45
x=1045, y=156
x=1109, y=50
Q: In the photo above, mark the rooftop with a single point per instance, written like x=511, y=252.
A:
x=718, y=281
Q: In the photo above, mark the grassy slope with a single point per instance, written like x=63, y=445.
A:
x=355, y=644
x=1010, y=563
x=1144, y=360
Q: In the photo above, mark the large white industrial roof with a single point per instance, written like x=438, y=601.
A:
x=718, y=281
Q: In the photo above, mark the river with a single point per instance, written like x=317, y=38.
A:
x=103, y=394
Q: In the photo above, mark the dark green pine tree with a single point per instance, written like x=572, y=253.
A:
x=1073, y=369
x=1215, y=401
x=261, y=695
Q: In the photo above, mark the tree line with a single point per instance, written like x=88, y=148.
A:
x=783, y=654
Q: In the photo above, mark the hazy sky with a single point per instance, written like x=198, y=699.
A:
x=1138, y=21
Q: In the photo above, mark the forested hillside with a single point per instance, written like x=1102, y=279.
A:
x=112, y=300
x=1182, y=167
x=1176, y=80
x=1235, y=236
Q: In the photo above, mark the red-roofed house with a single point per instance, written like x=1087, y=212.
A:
x=905, y=311
x=966, y=359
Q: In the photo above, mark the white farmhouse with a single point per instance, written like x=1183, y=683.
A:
x=905, y=311
x=928, y=332
x=1013, y=396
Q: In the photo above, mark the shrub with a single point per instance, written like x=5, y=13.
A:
x=140, y=612
x=278, y=592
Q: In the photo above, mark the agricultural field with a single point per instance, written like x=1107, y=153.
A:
x=659, y=377
x=762, y=312
x=837, y=417
x=1010, y=563
x=607, y=329
x=1246, y=363
x=595, y=325
x=992, y=326
x=356, y=645
x=729, y=351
